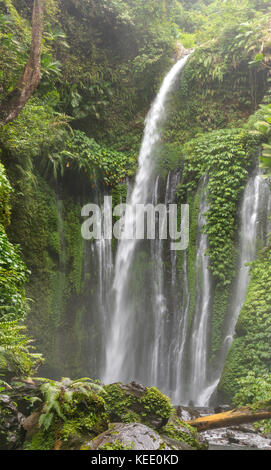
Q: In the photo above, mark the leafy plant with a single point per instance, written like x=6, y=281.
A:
x=263, y=129
x=17, y=358
x=61, y=397
x=13, y=275
x=226, y=156
x=85, y=155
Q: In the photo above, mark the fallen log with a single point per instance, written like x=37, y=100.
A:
x=247, y=414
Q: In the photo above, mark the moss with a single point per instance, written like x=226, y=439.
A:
x=156, y=403
x=41, y=440
x=128, y=408
x=117, y=445
x=71, y=413
x=88, y=425
x=74, y=245
x=182, y=432
x=226, y=155
x=117, y=404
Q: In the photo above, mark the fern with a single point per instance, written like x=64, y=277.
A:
x=59, y=397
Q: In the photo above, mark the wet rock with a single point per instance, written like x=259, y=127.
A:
x=11, y=429
x=138, y=390
x=232, y=439
x=222, y=408
x=135, y=436
x=30, y=424
x=186, y=413
x=181, y=51
x=180, y=431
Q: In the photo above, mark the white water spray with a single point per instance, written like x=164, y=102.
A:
x=199, y=339
x=119, y=338
x=255, y=206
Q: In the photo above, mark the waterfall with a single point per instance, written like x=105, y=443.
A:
x=150, y=336
x=181, y=324
x=254, y=226
x=97, y=275
x=200, y=331
x=121, y=347
x=103, y=249
x=160, y=301
x=105, y=263
x=249, y=230
x=165, y=305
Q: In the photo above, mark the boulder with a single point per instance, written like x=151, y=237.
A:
x=186, y=413
x=133, y=436
x=137, y=403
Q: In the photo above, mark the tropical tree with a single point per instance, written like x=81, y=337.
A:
x=28, y=82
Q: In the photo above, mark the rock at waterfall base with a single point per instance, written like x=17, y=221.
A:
x=133, y=436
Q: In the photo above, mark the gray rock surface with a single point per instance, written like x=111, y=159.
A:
x=135, y=436
x=11, y=430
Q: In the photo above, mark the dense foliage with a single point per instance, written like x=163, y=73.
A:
x=16, y=356
x=78, y=139
x=250, y=353
x=224, y=156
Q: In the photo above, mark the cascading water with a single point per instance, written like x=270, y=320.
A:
x=160, y=302
x=120, y=348
x=105, y=264
x=199, y=338
x=249, y=231
x=180, y=325
x=254, y=227
x=149, y=335
x=98, y=259
x=164, y=300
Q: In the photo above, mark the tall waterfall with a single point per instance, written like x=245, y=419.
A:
x=98, y=271
x=120, y=348
x=165, y=297
x=254, y=227
x=105, y=268
x=149, y=334
x=200, y=330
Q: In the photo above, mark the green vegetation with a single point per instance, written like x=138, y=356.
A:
x=16, y=355
x=249, y=355
x=263, y=129
x=71, y=413
x=181, y=431
x=123, y=406
x=70, y=409
x=77, y=139
x=225, y=156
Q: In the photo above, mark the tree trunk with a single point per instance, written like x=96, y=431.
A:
x=27, y=84
x=232, y=418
